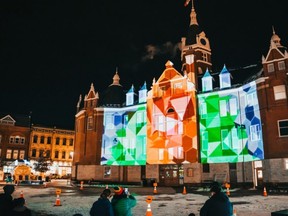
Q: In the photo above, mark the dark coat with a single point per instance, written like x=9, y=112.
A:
x=6, y=204
x=217, y=205
x=102, y=207
x=20, y=211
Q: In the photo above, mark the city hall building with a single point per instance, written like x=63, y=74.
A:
x=192, y=126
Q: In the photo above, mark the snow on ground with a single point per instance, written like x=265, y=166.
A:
x=166, y=202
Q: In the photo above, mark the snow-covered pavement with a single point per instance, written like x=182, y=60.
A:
x=41, y=201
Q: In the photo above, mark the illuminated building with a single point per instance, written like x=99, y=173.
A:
x=192, y=126
x=57, y=145
x=14, y=144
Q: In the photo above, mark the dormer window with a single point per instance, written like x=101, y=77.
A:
x=130, y=96
x=225, y=81
x=206, y=84
x=129, y=99
x=142, y=95
x=225, y=78
x=281, y=65
x=271, y=68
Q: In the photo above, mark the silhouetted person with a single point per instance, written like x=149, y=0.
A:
x=218, y=204
x=19, y=208
x=103, y=205
x=6, y=200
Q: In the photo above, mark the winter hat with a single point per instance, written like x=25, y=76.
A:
x=9, y=189
x=215, y=187
x=118, y=190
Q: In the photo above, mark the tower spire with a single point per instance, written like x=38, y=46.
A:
x=193, y=15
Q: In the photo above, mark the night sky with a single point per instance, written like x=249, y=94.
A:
x=52, y=50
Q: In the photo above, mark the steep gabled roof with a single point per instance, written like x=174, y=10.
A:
x=15, y=119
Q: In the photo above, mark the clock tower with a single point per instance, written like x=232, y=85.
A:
x=196, y=51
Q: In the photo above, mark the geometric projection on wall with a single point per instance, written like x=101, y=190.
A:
x=124, y=137
x=171, y=120
x=230, y=125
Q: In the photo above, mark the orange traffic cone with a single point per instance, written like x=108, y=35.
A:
x=155, y=188
x=149, y=211
x=184, y=190
x=57, y=202
x=234, y=212
x=149, y=201
x=81, y=185
x=264, y=192
x=21, y=194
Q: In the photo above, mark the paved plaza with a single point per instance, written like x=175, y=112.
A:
x=167, y=201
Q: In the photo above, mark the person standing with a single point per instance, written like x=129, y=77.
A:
x=218, y=204
x=6, y=199
x=122, y=202
x=102, y=207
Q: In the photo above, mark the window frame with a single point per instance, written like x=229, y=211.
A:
x=270, y=68
x=279, y=128
x=279, y=92
x=281, y=65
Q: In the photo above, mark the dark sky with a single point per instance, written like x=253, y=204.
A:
x=52, y=50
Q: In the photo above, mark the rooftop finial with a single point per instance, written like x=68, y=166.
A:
x=193, y=15
x=116, y=78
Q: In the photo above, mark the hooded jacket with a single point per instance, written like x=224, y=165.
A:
x=217, y=205
x=122, y=204
x=101, y=207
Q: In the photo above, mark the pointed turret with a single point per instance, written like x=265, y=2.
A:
x=276, y=56
x=225, y=78
x=207, y=81
x=275, y=39
x=130, y=96
x=79, y=103
x=91, y=99
x=143, y=93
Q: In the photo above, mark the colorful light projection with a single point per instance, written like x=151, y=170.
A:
x=124, y=137
x=171, y=120
x=230, y=125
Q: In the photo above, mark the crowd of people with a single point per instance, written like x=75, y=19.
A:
x=120, y=203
